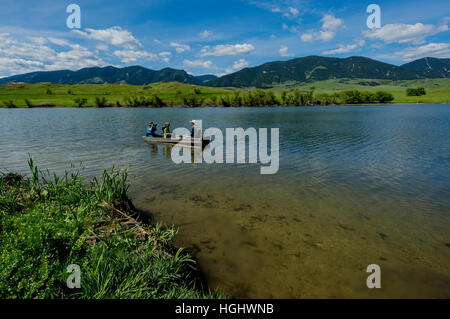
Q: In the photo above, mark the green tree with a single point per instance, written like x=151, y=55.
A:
x=80, y=102
x=383, y=96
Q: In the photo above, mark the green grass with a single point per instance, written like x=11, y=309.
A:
x=178, y=94
x=48, y=223
x=438, y=90
x=172, y=93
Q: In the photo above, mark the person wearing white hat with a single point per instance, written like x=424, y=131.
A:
x=193, y=124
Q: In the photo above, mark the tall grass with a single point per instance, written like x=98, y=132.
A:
x=48, y=222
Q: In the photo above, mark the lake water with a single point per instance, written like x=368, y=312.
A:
x=357, y=185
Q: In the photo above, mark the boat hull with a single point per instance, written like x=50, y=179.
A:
x=185, y=142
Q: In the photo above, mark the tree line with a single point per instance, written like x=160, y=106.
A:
x=258, y=97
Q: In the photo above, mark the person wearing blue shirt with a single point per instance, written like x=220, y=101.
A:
x=151, y=130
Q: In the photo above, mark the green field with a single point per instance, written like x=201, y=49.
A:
x=438, y=90
x=172, y=93
x=177, y=94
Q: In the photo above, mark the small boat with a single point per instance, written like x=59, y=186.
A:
x=179, y=141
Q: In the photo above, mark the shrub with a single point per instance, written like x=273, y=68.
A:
x=152, y=101
x=192, y=101
x=9, y=104
x=383, y=97
x=28, y=103
x=80, y=102
x=351, y=97
x=416, y=92
x=100, y=102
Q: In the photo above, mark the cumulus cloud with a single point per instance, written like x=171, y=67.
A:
x=346, y=48
x=307, y=37
x=330, y=22
x=165, y=56
x=114, y=36
x=288, y=12
x=198, y=64
x=60, y=42
x=330, y=25
x=436, y=50
x=284, y=52
x=102, y=47
x=206, y=33
x=38, y=40
x=237, y=65
x=404, y=33
x=180, y=48
x=27, y=56
x=128, y=56
x=227, y=49
x=291, y=12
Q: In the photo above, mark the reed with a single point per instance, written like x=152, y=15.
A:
x=48, y=222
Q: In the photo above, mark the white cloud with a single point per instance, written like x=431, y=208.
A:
x=127, y=56
x=330, y=22
x=59, y=42
x=326, y=35
x=330, y=25
x=227, y=49
x=345, y=48
x=17, y=57
x=307, y=37
x=291, y=12
x=102, y=47
x=180, y=48
x=205, y=34
x=38, y=40
x=404, y=33
x=284, y=52
x=437, y=50
x=165, y=56
x=198, y=64
x=114, y=36
x=240, y=64
x=237, y=65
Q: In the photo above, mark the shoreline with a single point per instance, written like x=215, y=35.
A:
x=96, y=228
x=216, y=106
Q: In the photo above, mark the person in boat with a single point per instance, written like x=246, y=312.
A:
x=194, y=128
x=166, y=130
x=151, y=130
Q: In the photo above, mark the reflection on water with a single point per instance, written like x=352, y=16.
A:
x=356, y=186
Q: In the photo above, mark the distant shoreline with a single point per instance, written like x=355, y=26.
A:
x=217, y=106
x=175, y=94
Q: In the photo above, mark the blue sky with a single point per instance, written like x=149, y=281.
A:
x=213, y=36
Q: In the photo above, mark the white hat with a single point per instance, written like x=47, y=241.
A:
x=193, y=122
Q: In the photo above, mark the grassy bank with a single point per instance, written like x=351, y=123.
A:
x=48, y=223
x=438, y=90
x=178, y=94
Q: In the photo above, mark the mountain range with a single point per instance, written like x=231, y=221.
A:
x=305, y=69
